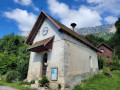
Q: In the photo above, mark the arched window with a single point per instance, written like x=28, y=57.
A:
x=45, y=58
x=91, y=62
x=44, y=67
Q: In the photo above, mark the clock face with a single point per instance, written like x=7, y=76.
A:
x=45, y=31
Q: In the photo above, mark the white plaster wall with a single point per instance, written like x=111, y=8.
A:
x=52, y=30
x=77, y=64
x=34, y=66
x=72, y=60
x=55, y=56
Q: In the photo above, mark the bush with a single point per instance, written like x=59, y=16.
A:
x=32, y=81
x=22, y=67
x=7, y=62
x=24, y=83
x=108, y=63
x=11, y=76
x=106, y=69
x=44, y=82
x=115, y=63
x=0, y=76
x=114, y=68
x=101, y=62
x=13, y=55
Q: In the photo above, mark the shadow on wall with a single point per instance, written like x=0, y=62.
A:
x=76, y=79
x=37, y=57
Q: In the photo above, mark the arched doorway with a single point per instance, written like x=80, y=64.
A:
x=44, y=66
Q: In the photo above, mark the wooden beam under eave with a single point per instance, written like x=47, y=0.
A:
x=37, y=28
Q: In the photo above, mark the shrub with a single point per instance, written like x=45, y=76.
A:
x=106, y=69
x=11, y=76
x=0, y=76
x=7, y=62
x=22, y=67
x=101, y=62
x=24, y=83
x=32, y=81
x=114, y=68
x=44, y=82
x=108, y=63
x=115, y=63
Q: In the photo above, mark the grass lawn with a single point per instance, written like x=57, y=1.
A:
x=101, y=82
x=15, y=85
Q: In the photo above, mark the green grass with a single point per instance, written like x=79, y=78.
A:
x=101, y=82
x=15, y=85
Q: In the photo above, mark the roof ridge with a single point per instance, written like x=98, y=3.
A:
x=61, y=27
x=105, y=45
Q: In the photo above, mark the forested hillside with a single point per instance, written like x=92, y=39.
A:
x=105, y=35
x=109, y=70
x=113, y=41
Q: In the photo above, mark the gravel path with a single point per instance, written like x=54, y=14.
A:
x=6, y=88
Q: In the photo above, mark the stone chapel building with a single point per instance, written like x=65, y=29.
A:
x=59, y=53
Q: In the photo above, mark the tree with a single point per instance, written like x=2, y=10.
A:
x=7, y=62
x=13, y=55
x=114, y=42
x=117, y=25
x=11, y=44
x=94, y=39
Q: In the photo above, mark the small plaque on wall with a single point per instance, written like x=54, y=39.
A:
x=54, y=74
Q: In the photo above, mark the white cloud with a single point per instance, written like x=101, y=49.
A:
x=110, y=19
x=106, y=6
x=95, y=1
x=84, y=17
x=24, y=19
x=27, y=3
x=23, y=2
x=35, y=8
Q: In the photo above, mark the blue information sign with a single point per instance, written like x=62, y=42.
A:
x=54, y=74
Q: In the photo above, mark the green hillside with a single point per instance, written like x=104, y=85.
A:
x=104, y=35
x=101, y=82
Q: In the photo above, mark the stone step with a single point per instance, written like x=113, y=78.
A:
x=34, y=85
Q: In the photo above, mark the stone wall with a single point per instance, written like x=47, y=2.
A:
x=55, y=56
x=77, y=62
x=70, y=56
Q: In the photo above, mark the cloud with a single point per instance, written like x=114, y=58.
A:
x=24, y=19
x=23, y=2
x=27, y=3
x=35, y=8
x=110, y=19
x=95, y=1
x=84, y=17
x=106, y=6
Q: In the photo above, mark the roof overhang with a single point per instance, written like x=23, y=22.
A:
x=42, y=45
x=60, y=27
x=37, y=25
x=105, y=46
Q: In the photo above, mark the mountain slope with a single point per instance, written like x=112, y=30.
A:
x=104, y=31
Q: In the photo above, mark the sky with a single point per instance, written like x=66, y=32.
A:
x=19, y=16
